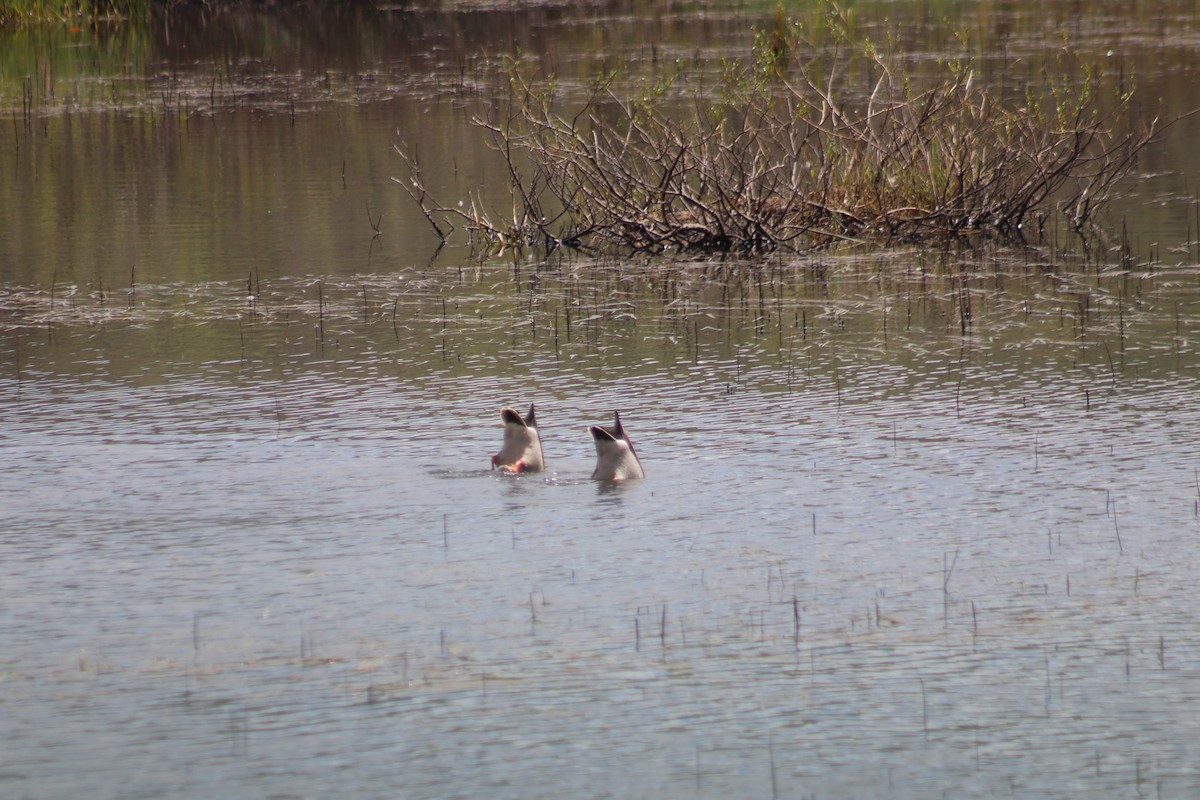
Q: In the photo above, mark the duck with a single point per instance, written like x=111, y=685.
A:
x=522, y=450
x=616, y=460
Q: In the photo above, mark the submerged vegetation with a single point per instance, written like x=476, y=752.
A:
x=823, y=136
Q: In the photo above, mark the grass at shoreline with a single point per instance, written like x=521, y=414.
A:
x=22, y=13
x=17, y=14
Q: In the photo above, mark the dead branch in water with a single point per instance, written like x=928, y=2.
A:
x=792, y=155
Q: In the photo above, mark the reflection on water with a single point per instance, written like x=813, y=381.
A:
x=916, y=523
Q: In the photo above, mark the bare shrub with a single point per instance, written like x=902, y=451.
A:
x=788, y=153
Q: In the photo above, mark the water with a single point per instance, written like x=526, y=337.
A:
x=913, y=523
x=290, y=567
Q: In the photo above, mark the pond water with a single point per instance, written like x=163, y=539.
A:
x=916, y=522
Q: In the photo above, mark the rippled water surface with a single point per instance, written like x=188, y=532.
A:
x=860, y=564
x=916, y=522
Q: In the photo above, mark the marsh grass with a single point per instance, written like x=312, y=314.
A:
x=822, y=136
x=771, y=324
x=19, y=13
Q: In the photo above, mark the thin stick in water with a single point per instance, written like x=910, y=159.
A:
x=924, y=709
